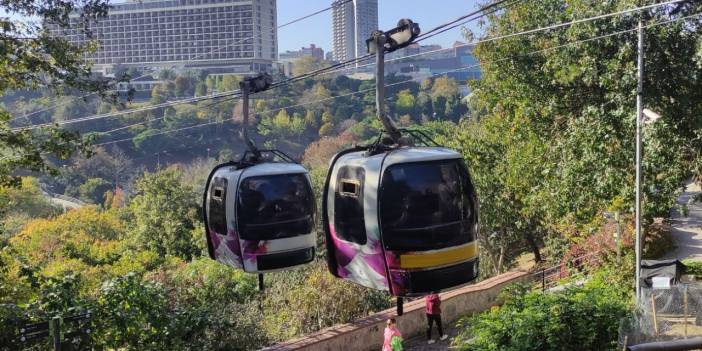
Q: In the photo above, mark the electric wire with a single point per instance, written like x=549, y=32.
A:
x=421, y=78
x=296, y=20
x=334, y=68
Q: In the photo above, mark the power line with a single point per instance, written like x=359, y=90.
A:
x=260, y=36
x=459, y=23
x=335, y=68
x=341, y=67
x=480, y=10
x=314, y=13
x=415, y=79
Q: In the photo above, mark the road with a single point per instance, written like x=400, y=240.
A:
x=687, y=230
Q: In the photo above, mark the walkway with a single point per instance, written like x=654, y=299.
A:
x=687, y=231
x=419, y=343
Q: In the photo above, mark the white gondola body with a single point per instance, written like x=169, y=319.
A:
x=359, y=250
x=237, y=197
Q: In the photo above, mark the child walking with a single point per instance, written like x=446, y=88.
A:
x=433, y=304
x=392, y=337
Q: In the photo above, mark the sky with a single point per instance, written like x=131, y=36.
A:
x=318, y=29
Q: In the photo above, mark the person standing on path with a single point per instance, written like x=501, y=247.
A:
x=433, y=303
x=392, y=338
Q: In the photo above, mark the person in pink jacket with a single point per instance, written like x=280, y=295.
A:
x=433, y=303
x=391, y=331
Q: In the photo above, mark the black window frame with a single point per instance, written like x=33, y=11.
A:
x=217, y=206
x=353, y=227
x=304, y=225
x=466, y=224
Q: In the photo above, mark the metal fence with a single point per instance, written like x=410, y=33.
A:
x=664, y=314
x=558, y=275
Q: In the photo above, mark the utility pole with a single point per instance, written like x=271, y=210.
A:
x=639, y=112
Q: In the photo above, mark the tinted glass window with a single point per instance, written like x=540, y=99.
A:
x=427, y=205
x=349, y=219
x=275, y=207
x=217, y=216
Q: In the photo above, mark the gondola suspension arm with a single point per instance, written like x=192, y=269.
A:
x=250, y=85
x=379, y=43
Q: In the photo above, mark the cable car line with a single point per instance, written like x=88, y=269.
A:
x=293, y=21
x=426, y=36
x=478, y=11
x=571, y=43
x=330, y=69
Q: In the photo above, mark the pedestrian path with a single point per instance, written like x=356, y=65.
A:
x=687, y=230
x=419, y=343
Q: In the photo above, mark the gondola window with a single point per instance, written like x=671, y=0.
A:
x=348, y=205
x=218, y=206
x=275, y=207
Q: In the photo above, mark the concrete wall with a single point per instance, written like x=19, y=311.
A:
x=367, y=333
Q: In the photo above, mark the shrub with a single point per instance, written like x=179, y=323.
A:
x=307, y=300
x=582, y=318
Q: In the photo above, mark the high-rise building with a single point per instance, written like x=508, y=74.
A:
x=353, y=22
x=225, y=36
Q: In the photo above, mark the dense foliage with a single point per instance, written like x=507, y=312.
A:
x=34, y=59
x=551, y=146
x=547, y=134
x=583, y=318
x=137, y=266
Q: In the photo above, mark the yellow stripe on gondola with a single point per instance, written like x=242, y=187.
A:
x=440, y=258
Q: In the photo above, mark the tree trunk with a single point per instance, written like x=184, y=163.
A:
x=534, y=246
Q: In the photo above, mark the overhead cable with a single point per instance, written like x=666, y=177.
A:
x=421, y=78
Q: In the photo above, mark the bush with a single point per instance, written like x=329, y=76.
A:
x=310, y=299
x=582, y=318
x=132, y=315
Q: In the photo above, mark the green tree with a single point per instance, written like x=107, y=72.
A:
x=35, y=58
x=306, y=64
x=405, y=102
x=93, y=190
x=163, y=214
x=553, y=149
x=183, y=86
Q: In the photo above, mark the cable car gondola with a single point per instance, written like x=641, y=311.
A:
x=400, y=217
x=259, y=214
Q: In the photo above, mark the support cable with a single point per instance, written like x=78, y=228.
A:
x=417, y=79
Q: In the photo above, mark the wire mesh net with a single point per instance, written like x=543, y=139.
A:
x=664, y=314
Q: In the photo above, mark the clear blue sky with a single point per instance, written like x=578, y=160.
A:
x=317, y=30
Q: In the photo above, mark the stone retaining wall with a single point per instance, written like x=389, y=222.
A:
x=367, y=333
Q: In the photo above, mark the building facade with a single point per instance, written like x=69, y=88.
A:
x=352, y=23
x=457, y=62
x=229, y=36
x=312, y=51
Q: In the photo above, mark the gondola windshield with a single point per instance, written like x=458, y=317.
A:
x=426, y=206
x=275, y=207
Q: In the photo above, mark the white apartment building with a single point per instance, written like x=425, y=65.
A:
x=229, y=36
x=353, y=22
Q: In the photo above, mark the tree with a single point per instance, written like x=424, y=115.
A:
x=93, y=190
x=405, y=102
x=553, y=149
x=183, y=85
x=19, y=205
x=163, y=214
x=33, y=58
x=229, y=82
x=306, y=64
